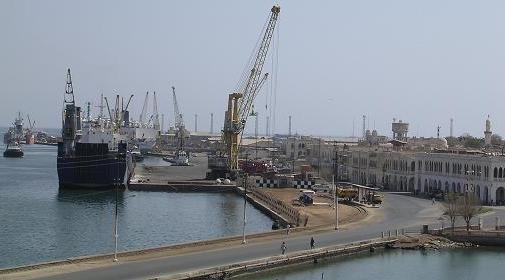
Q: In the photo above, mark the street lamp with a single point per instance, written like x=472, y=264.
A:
x=244, y=183
x=335, y=202
x=116, y=183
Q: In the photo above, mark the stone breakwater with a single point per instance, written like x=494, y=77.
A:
x=426, y=242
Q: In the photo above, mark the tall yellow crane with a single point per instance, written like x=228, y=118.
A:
x=240, y=103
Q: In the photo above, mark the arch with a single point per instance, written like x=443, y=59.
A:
x=413, y=166
x=495, y=172
x=426, y=185
x=458, y=188
x=453, y=187
x=485, y=195
x=500, y=174
x=419, y=186
x=477, y=191
x=446, y=189
x=500, y=196
x=411, y=184
x=439, y=185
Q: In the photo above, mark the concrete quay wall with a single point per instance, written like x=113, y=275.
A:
x=182, y=186
x=478, y=237
x=224, y=272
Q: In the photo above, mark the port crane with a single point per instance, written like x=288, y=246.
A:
x=240, y=103
x=180, y=129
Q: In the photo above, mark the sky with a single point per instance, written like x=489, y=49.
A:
x=423, y=62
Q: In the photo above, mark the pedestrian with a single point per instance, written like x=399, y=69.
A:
x=433, y=201
x=283, y=248
x=312, y=243
x=287, y=229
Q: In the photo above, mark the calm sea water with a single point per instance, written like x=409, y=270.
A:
x=38, y=222
x=461, y=264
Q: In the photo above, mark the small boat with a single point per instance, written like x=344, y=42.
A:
x=137, y=155
x=13, y=150
x=181, y=158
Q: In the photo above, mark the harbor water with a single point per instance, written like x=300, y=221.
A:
x=41, y=223
x=461, y=264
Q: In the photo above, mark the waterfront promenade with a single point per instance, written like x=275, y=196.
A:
x=399, y=211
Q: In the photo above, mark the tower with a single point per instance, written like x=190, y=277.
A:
x=400, y=130
x=196, y=123
x=452, y=125
x=211, y=123
x=488, y=132
x=364, y=127
x=289, y=131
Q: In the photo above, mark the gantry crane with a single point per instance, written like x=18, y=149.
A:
x=240, y=103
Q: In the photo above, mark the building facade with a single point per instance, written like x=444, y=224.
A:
x=423, y=172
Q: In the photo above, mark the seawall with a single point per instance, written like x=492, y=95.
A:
x=231, y=270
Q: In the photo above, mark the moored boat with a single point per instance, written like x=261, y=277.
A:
x=13, y=150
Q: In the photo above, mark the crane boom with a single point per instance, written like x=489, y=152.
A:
x=144, y=108
x=179, y=121
x=241, y=102
x=254, y=82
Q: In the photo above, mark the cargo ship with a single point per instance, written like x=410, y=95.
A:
x=92, y=153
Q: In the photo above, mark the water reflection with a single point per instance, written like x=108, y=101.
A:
x=79, y=196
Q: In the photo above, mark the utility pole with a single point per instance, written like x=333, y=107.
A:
x=335, y=202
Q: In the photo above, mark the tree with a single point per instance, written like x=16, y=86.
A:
x=469, y=208
x=452, y=208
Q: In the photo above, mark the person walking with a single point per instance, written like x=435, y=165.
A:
x=283, y=248
x=433, y=201
x=287, y=229
x=312, y=243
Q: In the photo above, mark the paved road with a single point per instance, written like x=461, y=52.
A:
x=399, y=212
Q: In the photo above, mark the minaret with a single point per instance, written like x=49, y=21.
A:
x=487, y=132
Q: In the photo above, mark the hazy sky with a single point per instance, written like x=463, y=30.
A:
x=420, y=61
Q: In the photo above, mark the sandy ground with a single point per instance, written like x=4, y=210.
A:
x=322, y=213
x=159, y=171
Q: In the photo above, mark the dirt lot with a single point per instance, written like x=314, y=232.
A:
x=322, y=212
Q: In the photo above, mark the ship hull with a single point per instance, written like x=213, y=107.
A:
x=13, y=153
x=102, y=170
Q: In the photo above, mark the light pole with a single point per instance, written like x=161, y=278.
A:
x=244, y=183
x=116, y=183
x=335, y=202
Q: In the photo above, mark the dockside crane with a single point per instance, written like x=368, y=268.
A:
x=144, y=109
x=240, y=103
x=180, y=129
